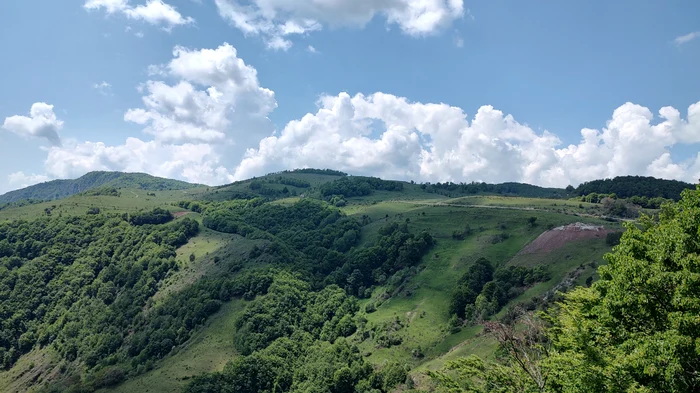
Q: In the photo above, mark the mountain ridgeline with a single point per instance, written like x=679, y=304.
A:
x=58, y=189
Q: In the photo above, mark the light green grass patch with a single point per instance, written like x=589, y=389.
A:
x=423, y=303
x=207, y=351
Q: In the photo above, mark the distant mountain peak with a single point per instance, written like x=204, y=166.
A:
x=63, y=188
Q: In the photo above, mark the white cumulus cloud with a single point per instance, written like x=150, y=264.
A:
x=41, y=123
x=196, y=163
x=20, y=180
x=217, y=99
x=206, y=115
x=389, y=136
x=277, y=20
x=155, y=12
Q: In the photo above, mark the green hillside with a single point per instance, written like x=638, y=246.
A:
x=58, y=189
x=340, y=283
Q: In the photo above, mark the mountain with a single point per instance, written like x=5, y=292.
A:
x=316, y=280
x=58, y=189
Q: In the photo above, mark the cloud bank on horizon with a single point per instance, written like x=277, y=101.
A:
x=210, y=125
x=205, y=115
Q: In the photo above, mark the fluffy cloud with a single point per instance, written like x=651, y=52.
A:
x=200, y=124
x=217, y=99
x=20, y=180
x=155, y=12
x=197, y=163
x=277, y=20
x=41, y=123
x=391, y=137
x=207, y=117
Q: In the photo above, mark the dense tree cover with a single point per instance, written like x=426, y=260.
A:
x=629, y=186
x=105, y=191
x=292, y=341
x=57, y=189
x=153, y=217
x=395, y=249
x=80, y=283
x=641, y=201
x=290, y=306
x=648, y=203
x=358, y=186
x=483, y=291
x=194, y=206
x=319, y=239
x=637, y=329
x=515, y=189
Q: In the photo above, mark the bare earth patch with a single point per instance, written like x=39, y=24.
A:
x=180, y=214
x=559, y=236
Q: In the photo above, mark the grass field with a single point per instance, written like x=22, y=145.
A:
x=422, y=303
x=208, y=350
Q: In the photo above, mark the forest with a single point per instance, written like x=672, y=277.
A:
x=80, y=284
x=640, y=186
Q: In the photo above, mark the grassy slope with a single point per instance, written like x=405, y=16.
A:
x=57, y=189
x=208, y=350
x=424, y=311
x=131, y=200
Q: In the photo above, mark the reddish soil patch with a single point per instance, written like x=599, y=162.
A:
x=558, y=237
x=180, y=214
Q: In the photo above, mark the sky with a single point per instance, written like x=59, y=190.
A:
x=213, y=91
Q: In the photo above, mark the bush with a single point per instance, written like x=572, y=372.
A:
x=613, y=238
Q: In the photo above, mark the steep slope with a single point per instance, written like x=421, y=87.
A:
x=58, y=189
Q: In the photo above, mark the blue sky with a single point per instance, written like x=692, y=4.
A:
x=388, y=89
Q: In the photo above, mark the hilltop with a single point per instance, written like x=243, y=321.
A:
x=58, y=189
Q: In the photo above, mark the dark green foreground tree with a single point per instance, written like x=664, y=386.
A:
x=636, y=330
